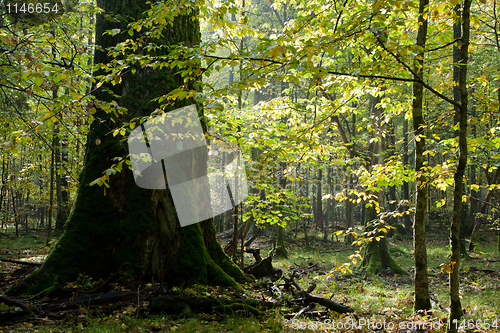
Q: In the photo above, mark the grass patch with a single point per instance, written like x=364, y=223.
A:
x=386, y=297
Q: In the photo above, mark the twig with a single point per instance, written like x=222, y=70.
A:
x=21, y=262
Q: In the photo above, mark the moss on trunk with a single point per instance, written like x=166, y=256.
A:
x=377, y=257
x=281, y=250
x=124, y=223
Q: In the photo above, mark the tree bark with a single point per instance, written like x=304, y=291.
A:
x=51, y=195
x=62, y=194
x=377, y=257
x=281, y=250
x=406, y=186
x=474, y=194
x=125, y=223
x=456, y=306
x=422, y=298
x=319, y=201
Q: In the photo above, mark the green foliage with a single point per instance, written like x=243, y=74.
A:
x=289, y=83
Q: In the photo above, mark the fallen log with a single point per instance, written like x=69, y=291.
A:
x=14, y=302
x=332, y=305
x=304, y=297
x=21, y=262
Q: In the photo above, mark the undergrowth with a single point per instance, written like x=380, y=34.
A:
x=382, y=298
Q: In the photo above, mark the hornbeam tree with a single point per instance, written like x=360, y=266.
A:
x=422, y=297
x=126, y=224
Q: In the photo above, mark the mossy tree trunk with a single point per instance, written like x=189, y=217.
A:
x=108, y=227
x=377, y=256
x=281, y=250
x=422, y=298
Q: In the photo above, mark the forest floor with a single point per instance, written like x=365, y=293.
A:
x=382, y=303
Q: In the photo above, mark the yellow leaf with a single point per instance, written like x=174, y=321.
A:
x=97, y=142
x=117, y=79
x=355, y=234
x=377, y=238
x=454, y=2
x=274, y=52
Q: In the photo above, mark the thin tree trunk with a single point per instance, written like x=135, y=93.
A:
x=2, y=189
x=57, y=163
x=51, y=195
x=422, y=299
x=456, y=306
x=319, y=202
x=349, y=211
x=14, y=210
x=406, y=187
x=26, y=212
x=281, y=250
x=473, y=202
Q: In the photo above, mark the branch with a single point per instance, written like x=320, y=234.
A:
x=338, y=17
x=443, y=46
x=428, y=87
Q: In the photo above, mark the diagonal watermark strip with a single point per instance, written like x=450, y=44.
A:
x=171, y=150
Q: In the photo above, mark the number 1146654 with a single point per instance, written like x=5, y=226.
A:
x=32, y=8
